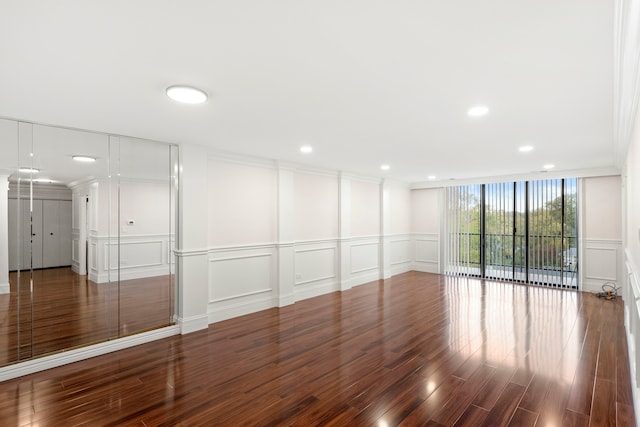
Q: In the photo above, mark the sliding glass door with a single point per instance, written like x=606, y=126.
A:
x=518, y=231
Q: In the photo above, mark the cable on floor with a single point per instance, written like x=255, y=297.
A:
x=609, y=291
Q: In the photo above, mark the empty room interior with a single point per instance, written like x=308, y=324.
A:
x=320, y=213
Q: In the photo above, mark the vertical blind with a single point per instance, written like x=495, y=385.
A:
x=519, y=231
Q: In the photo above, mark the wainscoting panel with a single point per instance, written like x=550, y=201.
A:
x=401, y=254
x=631, y=296
x=140, y=256
x=364, y=260
x=316, y=270
x=241, y=281
x=427, y=252
x=602, y=263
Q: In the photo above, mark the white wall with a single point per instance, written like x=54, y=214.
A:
x=630, y=281
x=315, y=198
x=425, y=226
x=365, y=208
x=242, y=203
x=601, y=235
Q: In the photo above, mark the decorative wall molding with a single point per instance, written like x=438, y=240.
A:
x=140, y=256
x=631, y=297
x=241, y=281
x=316, y=266
x=426, y=250
x=602, y=262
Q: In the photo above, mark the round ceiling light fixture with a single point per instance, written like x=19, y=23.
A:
x=186, y=94
x=478, y=111
x=549, y=166
x=85, y=159
x=306, y=149
x=525, y=148
x=385, y=167
x=431, y=177
x=29, y=170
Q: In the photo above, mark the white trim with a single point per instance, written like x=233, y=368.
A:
x=263, y=255
x=318, y=279
x=75, y=355
x=193, y=323
x=576, y=173
x=224, y=312
x=242, y=247
x=246, y=294
x=4, y=288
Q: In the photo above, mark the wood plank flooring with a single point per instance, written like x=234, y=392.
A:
x=417, y=349
x=56, y=309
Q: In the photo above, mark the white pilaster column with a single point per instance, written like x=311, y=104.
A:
x=344, y=224
x=385, y=230
x=192, y=253
x=286, y=235
x=4, y=230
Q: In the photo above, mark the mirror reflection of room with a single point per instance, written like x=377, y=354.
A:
x=88, y=235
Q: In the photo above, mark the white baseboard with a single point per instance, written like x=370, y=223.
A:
x=285, y=300
x=218, y=313
x=193, y=323
x=306, y=292
x=4, y=288
x=70, y=356
x=361, y=279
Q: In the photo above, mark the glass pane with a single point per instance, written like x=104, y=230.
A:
x=499, y=226
x=144, y=189
x=68, y=299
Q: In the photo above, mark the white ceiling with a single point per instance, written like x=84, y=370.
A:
x=364, y=82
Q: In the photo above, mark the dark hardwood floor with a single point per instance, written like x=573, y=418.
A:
x=418, y=349
x=55, y=309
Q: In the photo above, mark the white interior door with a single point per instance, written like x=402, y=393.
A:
x=64, y=234
x=51, y=229
x=12, y=235
x=32, y=233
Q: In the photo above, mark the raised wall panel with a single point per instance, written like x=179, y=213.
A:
x=364, y=257
x=239, y=276
x=241, y=281
x=426, y=253
x=400, y=255
x=316, y=269
x=602, y=262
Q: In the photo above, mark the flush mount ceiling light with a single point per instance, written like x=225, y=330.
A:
x=29, y=170
x=306, y=149
x=86, y=159
x=186, y=94
x=549, y=166
x=385, y=167
x=431, y=177
x=478, y=111
x=525, y=148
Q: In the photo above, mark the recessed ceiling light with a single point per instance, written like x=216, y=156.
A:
x=525, y=148
x=86, y=159
x=44, y=181
x=186, y=94
x=385, y=167
x=549, y=166
x=306, y=149
x=477, y=111
x=29, y=170
x=431, y=177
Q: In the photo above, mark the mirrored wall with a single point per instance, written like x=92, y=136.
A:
x=87, y=227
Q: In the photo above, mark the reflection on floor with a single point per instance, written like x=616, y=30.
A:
x=56, y=309
x=417, y=349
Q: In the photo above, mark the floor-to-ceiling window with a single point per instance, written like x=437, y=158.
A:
x=522, y=231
